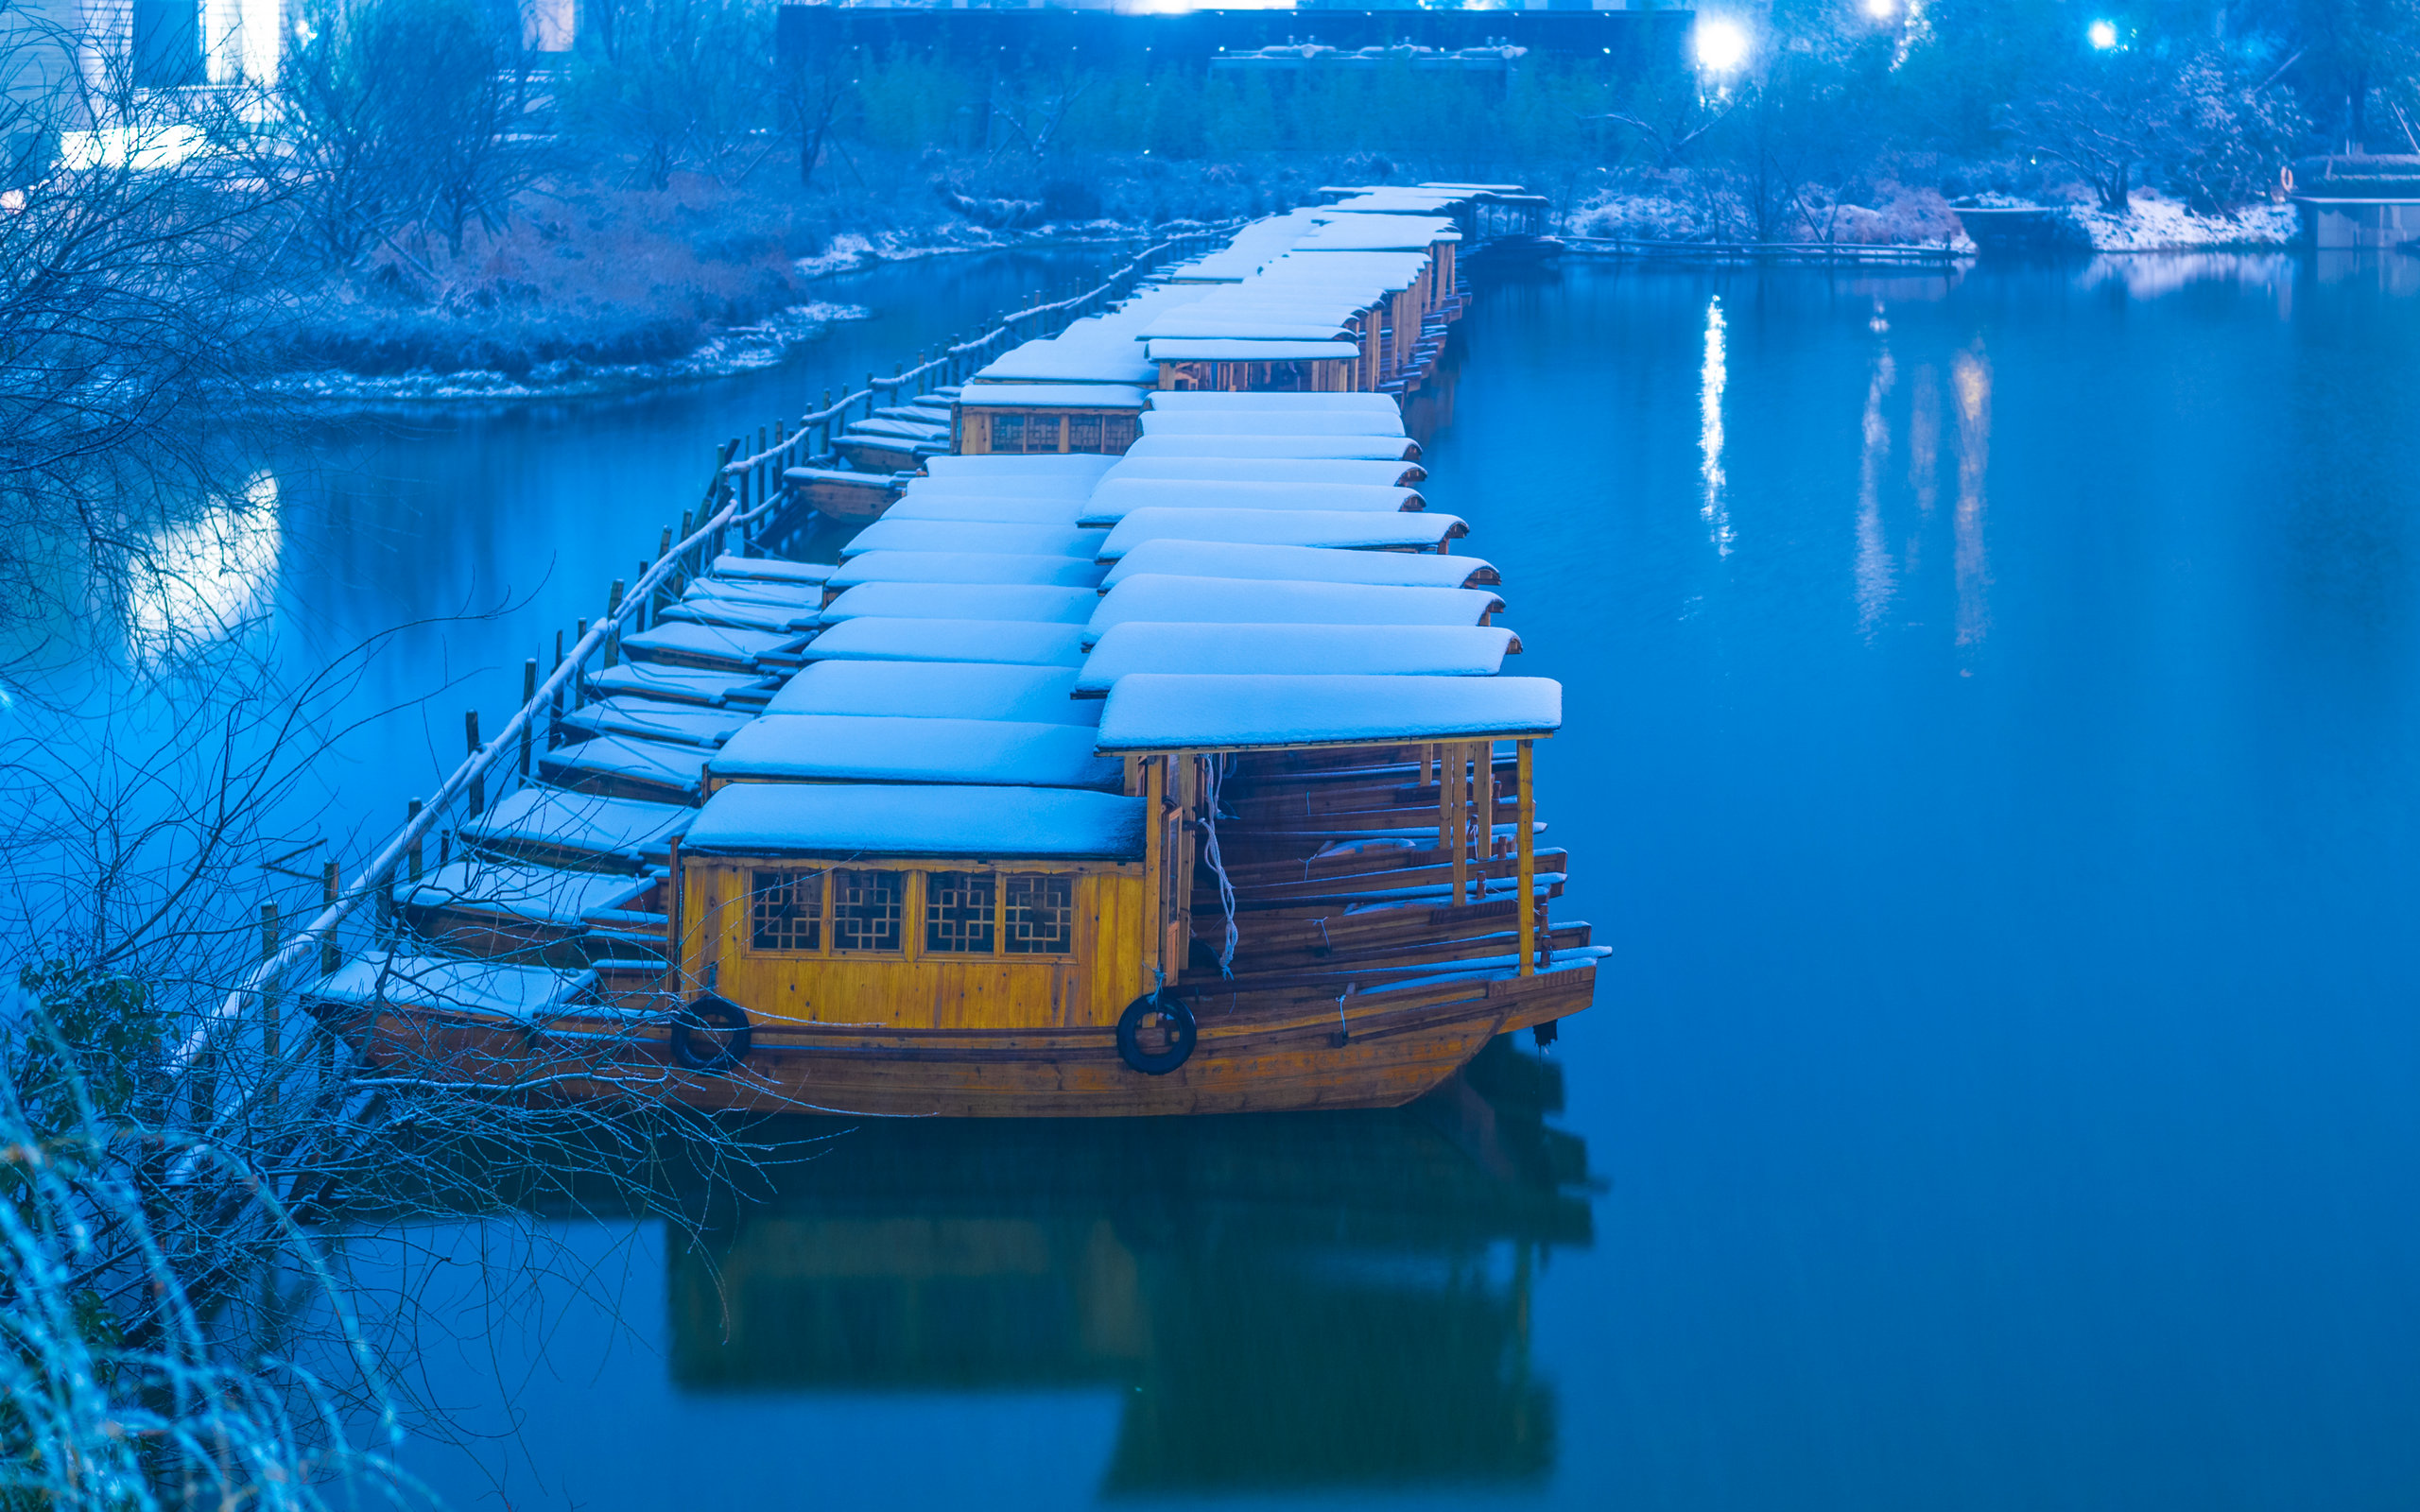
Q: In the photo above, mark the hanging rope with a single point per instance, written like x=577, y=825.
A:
x=1212, y=781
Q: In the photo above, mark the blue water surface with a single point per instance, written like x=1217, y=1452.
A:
x=1989, y=753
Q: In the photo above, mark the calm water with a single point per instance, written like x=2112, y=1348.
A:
x=1993, y=706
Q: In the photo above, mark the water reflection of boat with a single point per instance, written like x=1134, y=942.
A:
x=1313, y=1299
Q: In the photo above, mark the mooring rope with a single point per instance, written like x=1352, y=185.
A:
x=1210, y=850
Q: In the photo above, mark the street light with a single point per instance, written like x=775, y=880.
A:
x=1722, y=45
x=2102, y=35
x=1882, y=10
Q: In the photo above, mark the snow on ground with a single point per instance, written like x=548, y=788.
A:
x=2157, y=224
x=738, y=348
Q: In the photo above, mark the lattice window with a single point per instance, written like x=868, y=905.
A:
x=785, y=910
x=1117, y=434
x=1041, y=433
x=1041, y=914
x=1008, y=433
x=1083, y=432
x=866, y=909
x=958, y=912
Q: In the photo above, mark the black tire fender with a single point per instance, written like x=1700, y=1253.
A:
x=711, y=1011
x=1181, y=1029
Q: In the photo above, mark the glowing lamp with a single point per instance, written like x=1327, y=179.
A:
x=2101, y=34
x=1722, y=45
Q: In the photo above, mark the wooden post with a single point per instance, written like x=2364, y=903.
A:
x=528, y=697
x=613, y=637
x=471, y=737
x=412, y=857
x=555, y=709
x=1458, y=802
x=579, y=673
x=1484, y=776
x=1525, y=851
x=1154, y=861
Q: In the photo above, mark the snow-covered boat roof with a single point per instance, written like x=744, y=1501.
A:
x=849, y=823
x=546, y=895
x=1161, y=710
x=936, y=690
x=662, y=763
x=653, y=679
x=558, y=817
x=964, y=567
x=1024, y=509
x=936, y=535
x=657, y=719
x=1268, y=423
x=1165, y=598
x=871, y=639
x=903, y=748
x=1210, y=324
x=1214, y=398
x=1370, y=650
x=1402, y=448
x=964, y=601
x=1051, y=396
x=1052, y=485
x=722, y=642
x=1382, y=473
x=1116, y=498
x=1306, y=564
x=525, y=995
x=1352, y=531
x=999, y=468
x=773, y=569
x=1119, y=361
x=1350, y=232
x=1217, y=349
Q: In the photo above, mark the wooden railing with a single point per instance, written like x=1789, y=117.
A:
x=744, y=494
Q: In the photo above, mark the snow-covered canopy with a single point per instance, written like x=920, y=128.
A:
x=1219, y=348
x=1116, y=498
x=872, y=639
x=542, y=895
x=964, y=567
x=1377, y=447
x=901, y=748
x=973, y=601
x=935, y=534
x=1309, y=564
x=1163, y=711
x=1352, y=531
x=848, y=823
x=557, y=818
x=1268, y=423
x=1379, y=651
x=1051, y=396
x=1213, y=398
x=1155, y=596
x=936, y=690
x=525, y=995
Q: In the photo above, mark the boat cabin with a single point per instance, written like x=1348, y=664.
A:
x=962, y=905
x=992, y=419
x=1237, y=364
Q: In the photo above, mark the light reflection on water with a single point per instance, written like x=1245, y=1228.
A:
x=1712, y=375
x=207, y=576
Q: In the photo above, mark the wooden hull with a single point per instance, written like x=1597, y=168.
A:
x=869, y=455
x=846, y=495
x=1261, y=1050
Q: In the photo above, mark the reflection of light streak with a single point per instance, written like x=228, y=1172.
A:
x=1924, y=456
x=205, y=576
x=1873, y=582
x=1972, y=378
x=1711, y=379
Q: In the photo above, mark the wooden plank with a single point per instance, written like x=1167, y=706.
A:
x=1526, y=858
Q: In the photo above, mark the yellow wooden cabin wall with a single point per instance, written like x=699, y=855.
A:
x=1091, y=985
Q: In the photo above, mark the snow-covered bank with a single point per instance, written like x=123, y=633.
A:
x=735, y=349
x=2155, y=223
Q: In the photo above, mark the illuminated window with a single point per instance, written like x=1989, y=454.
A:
x=958, y=912
x=785, y=910
x=1041, y=915
x=866, y=908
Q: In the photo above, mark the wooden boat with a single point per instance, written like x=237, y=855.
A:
x=839, y=494
x=1196, y=788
